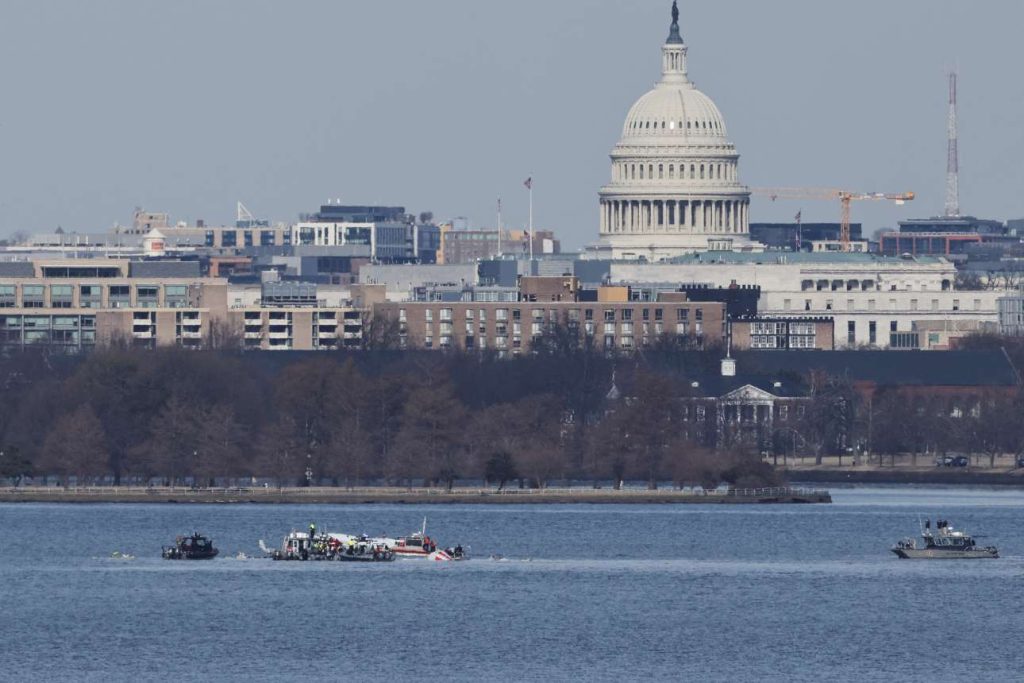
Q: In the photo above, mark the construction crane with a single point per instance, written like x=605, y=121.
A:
x=845, y=198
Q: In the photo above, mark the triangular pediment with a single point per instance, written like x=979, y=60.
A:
x=749, y=392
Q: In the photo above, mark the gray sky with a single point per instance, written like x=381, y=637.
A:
x=191, y=105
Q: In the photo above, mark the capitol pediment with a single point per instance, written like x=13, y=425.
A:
x=749, y=393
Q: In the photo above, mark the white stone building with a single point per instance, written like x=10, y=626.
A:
x=675, y=185
x=870, y=297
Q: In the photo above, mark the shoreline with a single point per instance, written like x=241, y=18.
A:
x=353, y=496
x=944, y=476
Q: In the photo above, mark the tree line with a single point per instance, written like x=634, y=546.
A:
x=121, y=415
x=171, y=416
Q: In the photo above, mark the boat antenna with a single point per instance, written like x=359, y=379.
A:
x=423, y=531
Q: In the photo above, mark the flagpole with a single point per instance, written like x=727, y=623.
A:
x=499, y=226
x=531, y=225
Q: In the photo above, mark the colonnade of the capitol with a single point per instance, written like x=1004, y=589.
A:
x=639, y=216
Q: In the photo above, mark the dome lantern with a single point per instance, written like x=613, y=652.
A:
x=673, y=61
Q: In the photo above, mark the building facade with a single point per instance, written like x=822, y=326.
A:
x=511, y=328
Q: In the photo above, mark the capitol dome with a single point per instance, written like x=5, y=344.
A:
x=675, y=185
x=675, y=113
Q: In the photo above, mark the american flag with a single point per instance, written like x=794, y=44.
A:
x=798, y=215
x=528, y=183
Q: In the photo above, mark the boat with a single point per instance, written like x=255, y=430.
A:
x=306, y=546
x=418, y=544
x=946, y=543
x=194, y=547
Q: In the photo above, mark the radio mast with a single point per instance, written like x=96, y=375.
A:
x=952, y=160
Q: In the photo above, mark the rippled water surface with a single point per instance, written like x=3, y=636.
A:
x=581, y=592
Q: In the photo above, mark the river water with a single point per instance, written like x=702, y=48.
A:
x=581, y=592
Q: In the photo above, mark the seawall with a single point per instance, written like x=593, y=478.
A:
x=419, y=496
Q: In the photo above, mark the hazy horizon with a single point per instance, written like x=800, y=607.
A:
x=188, y=107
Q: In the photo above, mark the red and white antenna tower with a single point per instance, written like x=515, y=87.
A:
x=952, y=160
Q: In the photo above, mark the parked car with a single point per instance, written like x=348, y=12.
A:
x=952, y=461
x=1020, y=461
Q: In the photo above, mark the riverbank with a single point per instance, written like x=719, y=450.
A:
x=946, y=476
x=327, y=495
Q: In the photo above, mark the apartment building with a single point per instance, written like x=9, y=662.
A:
x=73, y=305
x=511, y=328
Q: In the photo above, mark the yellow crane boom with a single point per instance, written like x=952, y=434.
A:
x=845, y=197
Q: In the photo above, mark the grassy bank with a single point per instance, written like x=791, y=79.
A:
x=395, y=495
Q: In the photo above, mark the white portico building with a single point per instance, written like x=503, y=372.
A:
x=675, y=185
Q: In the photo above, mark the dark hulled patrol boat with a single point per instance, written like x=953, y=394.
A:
x=194, y=547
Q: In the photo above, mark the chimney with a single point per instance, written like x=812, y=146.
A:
x=728, y=367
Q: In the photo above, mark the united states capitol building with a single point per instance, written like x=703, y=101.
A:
x=675, y=186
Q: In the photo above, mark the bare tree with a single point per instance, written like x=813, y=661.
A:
x=76, y=447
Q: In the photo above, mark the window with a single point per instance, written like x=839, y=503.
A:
x=147, y=296
x=8, y=296
x=32, y=296
x=892, y=325
x=120, y=296
x=851, y=332
x=682, y=314
x=61, y=296
x=658, y=314
x=872, y=333
x=175, y=296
